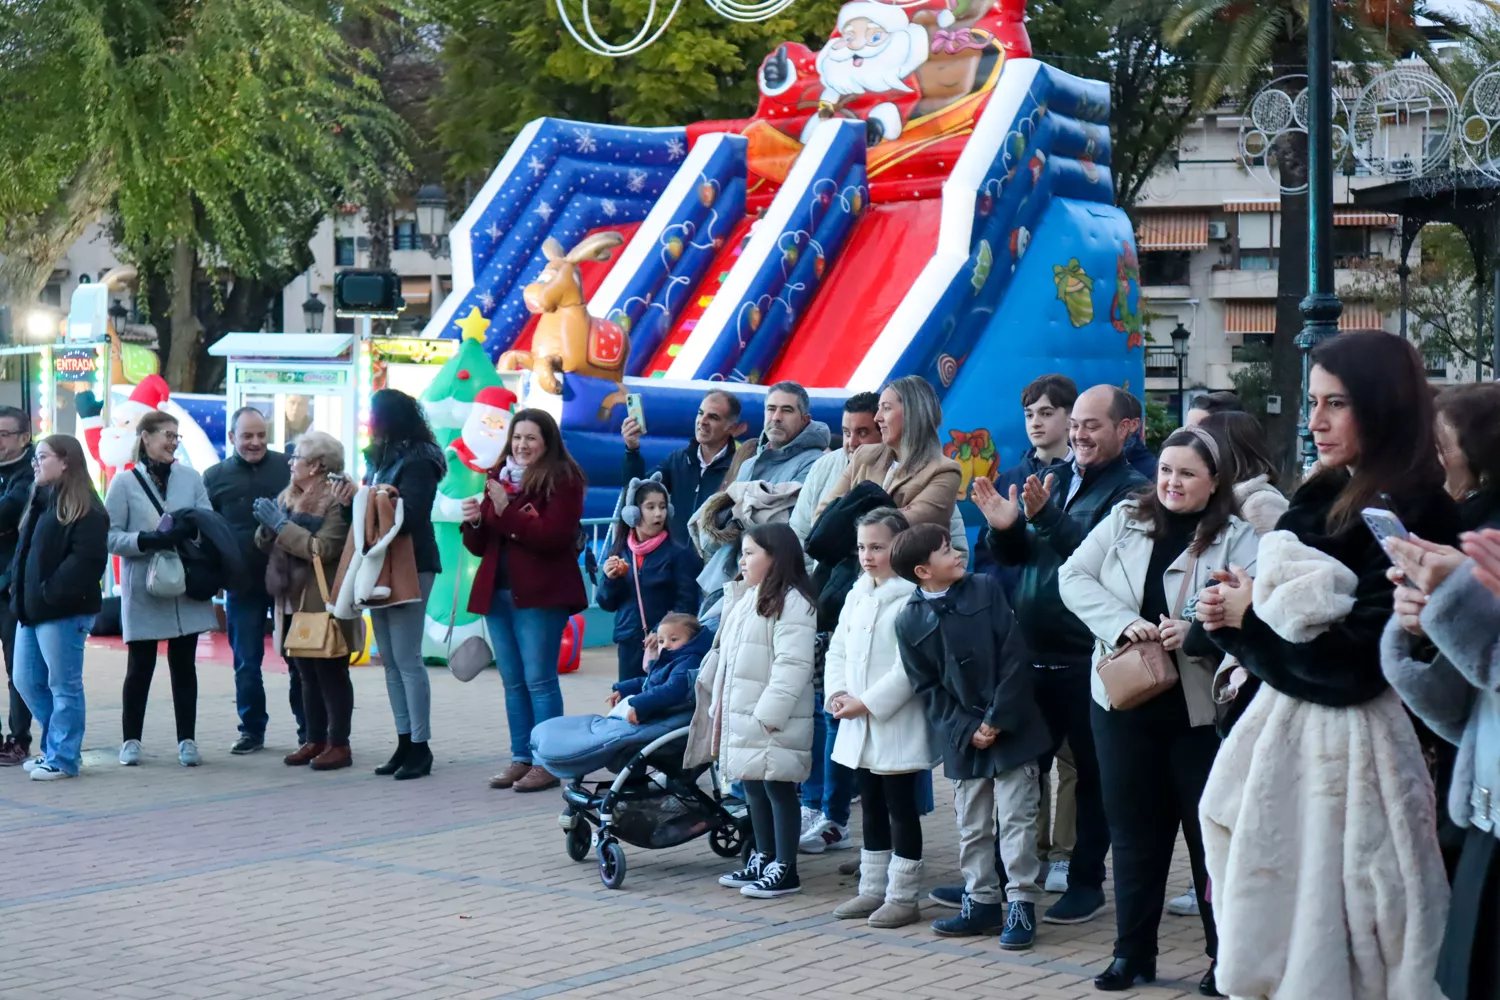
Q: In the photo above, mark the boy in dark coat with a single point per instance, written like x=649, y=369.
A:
x=667, y=688
x=966, y=659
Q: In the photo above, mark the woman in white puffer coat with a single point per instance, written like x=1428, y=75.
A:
x=883, y=731
x=755, y=702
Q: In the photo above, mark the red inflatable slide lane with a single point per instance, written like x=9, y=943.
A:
x=703, y=295
x=875, y=269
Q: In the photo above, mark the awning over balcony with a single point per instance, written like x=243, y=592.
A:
x=1361, y=316
x=1253, y=205
x=1378, y=219
x=1241, y=318
x=416, y=291
x=1172, y=231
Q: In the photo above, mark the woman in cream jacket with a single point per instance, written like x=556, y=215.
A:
x=1129, y=581
x=883, y=732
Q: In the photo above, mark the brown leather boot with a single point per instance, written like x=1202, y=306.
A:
x=537, y=779
x=332, y=759
x=511, y=775
x=304, y=754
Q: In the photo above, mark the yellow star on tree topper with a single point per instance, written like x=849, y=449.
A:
x=474, y=325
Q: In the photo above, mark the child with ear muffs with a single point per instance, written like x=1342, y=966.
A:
x=648, y=575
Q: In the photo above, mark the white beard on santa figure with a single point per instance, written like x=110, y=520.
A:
x=484, y=434
x=873, y=71
x=117, y=441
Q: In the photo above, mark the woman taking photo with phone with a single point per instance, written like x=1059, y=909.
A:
x=1319, y=821
x=60, y=557
x=137, y=501
x=525, y=531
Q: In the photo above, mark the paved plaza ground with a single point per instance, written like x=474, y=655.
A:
x=246, y=878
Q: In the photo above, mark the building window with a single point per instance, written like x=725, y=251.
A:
x=1258, y=260
x=1351, y=244
x=1165, y=267
x=406, y=236
x=343, y=324
x=1161, y=362
x=343, y=251
x=1256, y=347
x=1437, y=364
x=51, y=295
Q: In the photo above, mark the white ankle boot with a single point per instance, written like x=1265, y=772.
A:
x=903, y=884
x=873, y=866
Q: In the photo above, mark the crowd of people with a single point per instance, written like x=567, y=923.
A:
x=1288, y=681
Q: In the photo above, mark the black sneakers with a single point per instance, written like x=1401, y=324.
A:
x=247, y=744
x=776, y=879
x=746, y=875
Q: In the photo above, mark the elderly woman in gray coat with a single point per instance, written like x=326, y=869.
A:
x=1441, y=652
x=135, y=501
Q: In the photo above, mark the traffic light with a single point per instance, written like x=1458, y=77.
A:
x=376, y=294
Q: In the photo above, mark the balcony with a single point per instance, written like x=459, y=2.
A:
x=1230, y=284
x=1161, y=362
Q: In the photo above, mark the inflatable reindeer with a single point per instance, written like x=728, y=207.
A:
x=567, y=338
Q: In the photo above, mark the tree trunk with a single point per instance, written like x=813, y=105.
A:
x=378, y=218
x=187, y=332
x=1291, y=289
x=32, y=249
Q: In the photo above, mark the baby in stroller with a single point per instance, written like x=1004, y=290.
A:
x=641, y=709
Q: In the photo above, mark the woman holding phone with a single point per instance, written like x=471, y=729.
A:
x=525, y=531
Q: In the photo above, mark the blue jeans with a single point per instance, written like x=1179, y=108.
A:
x=829, y=795
x=245, y=623
x=527, y=642
x=49, y=675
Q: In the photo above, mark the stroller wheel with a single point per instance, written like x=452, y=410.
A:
x=611, y=864
x=726, y=839
x=579, y=840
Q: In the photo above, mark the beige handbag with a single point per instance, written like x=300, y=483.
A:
x=1139, y=671
x=315, y=635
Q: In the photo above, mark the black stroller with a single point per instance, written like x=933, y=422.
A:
x=654, y=803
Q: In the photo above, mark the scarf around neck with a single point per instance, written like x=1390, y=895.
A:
x=510, y=475
x=642, y=549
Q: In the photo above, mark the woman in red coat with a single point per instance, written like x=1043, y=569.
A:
x=525, y=531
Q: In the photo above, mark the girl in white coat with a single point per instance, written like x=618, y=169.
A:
x=755, y=701
x=883, y=731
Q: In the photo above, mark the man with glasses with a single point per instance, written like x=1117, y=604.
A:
x=16, y=476
x=252, y=472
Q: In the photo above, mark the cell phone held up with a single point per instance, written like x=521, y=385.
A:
x=1384, y=525
x=635, y=410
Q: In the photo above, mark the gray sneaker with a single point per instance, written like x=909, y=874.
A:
x=187, y=754
x=130, y=753
x=1185, y=905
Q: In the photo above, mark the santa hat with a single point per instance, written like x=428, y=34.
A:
x=894, y=16
x=149, y=395
x=497, y=396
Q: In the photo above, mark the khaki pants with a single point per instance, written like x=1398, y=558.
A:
x=1056, y=835
x=977, y=801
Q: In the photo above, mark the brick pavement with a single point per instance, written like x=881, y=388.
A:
x=244, y=878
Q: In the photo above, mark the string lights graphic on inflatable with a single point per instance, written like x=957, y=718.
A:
x=917, y=196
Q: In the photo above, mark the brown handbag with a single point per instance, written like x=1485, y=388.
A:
x=315, y=635
x=1139, y=671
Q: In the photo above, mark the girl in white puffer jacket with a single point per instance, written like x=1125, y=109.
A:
x=755, y=702
x=883, y=730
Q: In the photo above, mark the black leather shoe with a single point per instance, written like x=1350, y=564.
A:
x=1209, y=984
x=1124, y=973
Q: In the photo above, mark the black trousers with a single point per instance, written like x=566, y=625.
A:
x=327, y=698
x=1154, y=766
x=20, y=714
x=889, y=806
x=1064, y=696
x=182, y=661
x=776, y=818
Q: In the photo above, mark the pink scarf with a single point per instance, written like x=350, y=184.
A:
x=643, y=549
x=510, y=475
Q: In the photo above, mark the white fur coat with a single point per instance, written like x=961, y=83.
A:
x=1320, y=826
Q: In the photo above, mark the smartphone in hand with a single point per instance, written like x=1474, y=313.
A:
x=1383, y=524
x=635, y=410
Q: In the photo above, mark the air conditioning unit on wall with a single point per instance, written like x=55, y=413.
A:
x=1218, y=230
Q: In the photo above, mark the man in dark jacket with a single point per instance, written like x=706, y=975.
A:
x=966, y=659
x=696, y=472
x=16, y=477
x=233, y=486
x=1136, y=452
x=1037, y=527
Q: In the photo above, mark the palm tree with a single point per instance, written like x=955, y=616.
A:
x=1244, y=44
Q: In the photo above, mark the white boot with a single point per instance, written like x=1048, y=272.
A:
x=903, y=884
x=873, y=866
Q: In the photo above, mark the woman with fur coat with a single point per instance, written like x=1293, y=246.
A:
x=1319, y=818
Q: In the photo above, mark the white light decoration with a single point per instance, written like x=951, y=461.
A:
x=743, y=11
x=1404, y=124
x=1479, y=123
x=1277, y=110
x=747, y=13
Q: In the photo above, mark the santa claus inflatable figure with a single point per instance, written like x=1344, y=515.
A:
x=486, y=429
x=117, y=441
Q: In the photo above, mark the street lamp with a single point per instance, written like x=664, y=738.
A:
x=118, y=314
x=432, y=218
x=1321, y=308
x=312, y=313
x=1180, y=337
x=41, y=325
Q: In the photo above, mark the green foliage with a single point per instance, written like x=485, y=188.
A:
x=1160, y=423
x=217, y=122
x=1252, y=383
x=506, y=63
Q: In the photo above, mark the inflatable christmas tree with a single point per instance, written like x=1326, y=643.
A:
x=465, y=403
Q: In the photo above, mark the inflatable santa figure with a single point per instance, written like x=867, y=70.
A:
x=486, y=429
x=117, y=441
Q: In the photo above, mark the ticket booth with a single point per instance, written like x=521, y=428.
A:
x=299, y=381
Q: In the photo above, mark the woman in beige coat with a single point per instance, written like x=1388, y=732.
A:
x=1128, y=582
x=303, y=525
x=908, y=463
x=755, y=702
